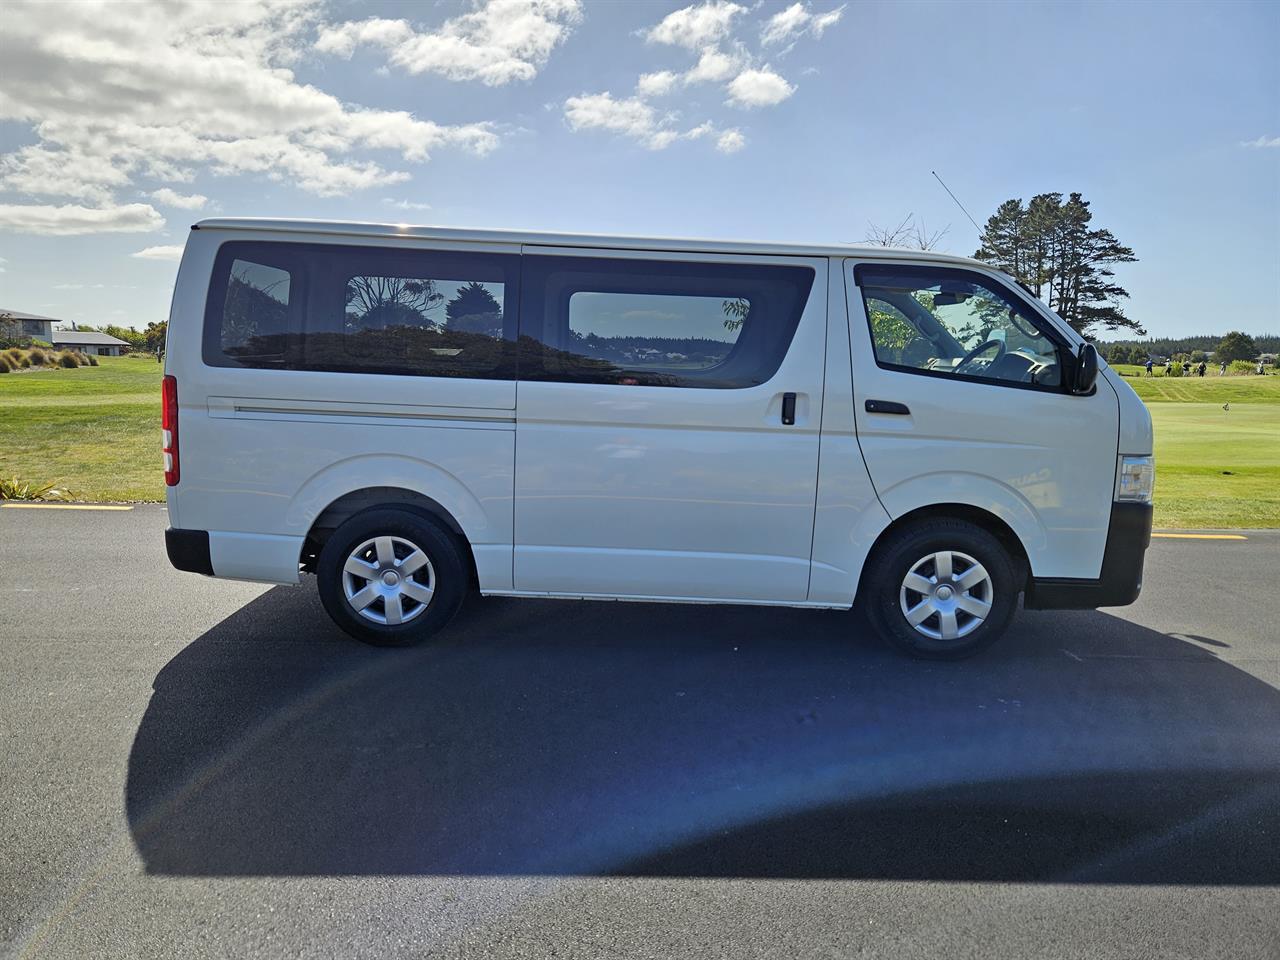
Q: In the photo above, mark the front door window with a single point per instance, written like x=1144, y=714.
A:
x=952, y=323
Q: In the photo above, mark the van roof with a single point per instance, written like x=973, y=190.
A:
x=596, y=241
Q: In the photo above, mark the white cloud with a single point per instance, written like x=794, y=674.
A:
x=185, y=201
x=713, y=66
x=405, y=204
x=72, y=219
x=174, y=88
x=797, y=19
x=630, y=117
x=498, y=42
x=696, y=26
x=656, y=84
x=1261, y=142
x=759, y=88
x=173, y=252
x=731, y=141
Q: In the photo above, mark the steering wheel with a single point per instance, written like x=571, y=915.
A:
x=980, y=348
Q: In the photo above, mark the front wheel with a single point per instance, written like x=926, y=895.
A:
x=390, y=577
x=941, y=589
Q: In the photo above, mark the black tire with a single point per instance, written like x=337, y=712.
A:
x=883, y=587
x=446, y=574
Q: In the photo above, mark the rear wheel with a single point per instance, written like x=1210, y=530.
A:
x=941, y=589
x=391, y=577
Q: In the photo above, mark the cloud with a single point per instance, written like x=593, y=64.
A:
x=696, y=26
x=656, y=84
x=173, y=252
x=499, y=42
x=759, y=88
x=185, y=201
x=713, y=66
x=1262, y=142
x=731, y=141
x=177, y=88
x=405, y=204
x=71, y=219
x=631, y=117
x=795, y=20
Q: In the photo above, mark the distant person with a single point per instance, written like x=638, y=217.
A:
x=1186, y=367
x=1168, y=367
x=1149, y=366
x=1200, y=369
x=1222, y=369
x=1261, y=370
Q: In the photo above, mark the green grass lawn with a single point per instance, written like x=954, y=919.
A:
x=96, y=430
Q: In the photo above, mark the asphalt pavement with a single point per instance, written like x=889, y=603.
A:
x=203, y=768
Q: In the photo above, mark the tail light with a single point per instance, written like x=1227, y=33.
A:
x=169, y=429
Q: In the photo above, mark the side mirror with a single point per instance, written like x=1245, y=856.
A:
x=1086, y=372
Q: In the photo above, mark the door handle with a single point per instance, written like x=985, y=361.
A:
x=788, y=409
x=886, y=406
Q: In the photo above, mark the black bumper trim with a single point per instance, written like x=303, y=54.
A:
x=189, y=550
x=1128, y=536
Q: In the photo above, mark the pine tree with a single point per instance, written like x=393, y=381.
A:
x=1050, y=246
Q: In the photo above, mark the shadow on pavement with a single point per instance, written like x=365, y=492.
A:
x=544, y=737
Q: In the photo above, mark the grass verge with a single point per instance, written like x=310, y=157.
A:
x=95, y=430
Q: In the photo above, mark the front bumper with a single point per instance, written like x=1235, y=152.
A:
x=1128, y=536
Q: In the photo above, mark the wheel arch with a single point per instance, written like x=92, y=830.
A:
x=366, y=498
x=979, y=517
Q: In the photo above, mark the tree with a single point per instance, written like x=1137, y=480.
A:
x=908, y=235
x=380, y=302
x=1236, y=346
x=153, y=337
x=474, y=309
x=1050, y=246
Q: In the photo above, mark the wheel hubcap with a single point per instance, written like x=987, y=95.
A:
x=946, y=595
x=388, y=580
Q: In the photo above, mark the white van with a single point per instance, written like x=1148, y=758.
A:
x=410, y=413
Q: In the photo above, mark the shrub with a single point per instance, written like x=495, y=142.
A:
x=38, y=357
x=93, y=361
x=68, y=359
x=14, y=354
x=1242, y=366
x=81, y=358
x=12, y=488
x=25, y=362
x=5, y=363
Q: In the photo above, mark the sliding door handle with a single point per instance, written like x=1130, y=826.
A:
x=887, y=406
x=788, y=409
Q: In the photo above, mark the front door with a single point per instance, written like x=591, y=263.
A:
x=667, y=422
x=960, y=398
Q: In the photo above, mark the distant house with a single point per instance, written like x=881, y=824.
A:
x=103, y=344
x=30, y=324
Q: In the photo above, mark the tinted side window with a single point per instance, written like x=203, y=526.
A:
x=362, y=310
x=656, y=323
x=954, y=323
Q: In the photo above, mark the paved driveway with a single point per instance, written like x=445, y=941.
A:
x=202, y=768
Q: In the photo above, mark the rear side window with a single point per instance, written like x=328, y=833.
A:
x=362, y=310
x=658, y=323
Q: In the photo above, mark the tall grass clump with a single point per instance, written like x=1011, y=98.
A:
x=68, y=359
x=38, y=357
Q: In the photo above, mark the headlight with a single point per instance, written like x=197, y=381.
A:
x=1136, y=480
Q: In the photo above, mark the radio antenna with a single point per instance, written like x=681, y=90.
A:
x=958, y=203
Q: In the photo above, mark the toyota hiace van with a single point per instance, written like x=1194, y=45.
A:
x=411, y=414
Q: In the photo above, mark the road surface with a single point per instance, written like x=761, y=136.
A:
x=200, y=768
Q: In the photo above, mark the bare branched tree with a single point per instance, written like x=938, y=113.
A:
x=908, y=235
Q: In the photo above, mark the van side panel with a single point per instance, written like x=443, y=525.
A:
x=265, y=451
x=848, y=517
